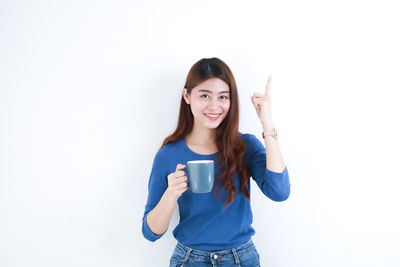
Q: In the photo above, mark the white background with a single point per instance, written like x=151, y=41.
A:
x=89, y=90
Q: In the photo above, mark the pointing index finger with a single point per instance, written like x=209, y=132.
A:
x=268, y=87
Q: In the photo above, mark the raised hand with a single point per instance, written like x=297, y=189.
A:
x=262, y=104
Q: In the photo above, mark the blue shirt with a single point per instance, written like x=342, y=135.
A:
x=203, y=223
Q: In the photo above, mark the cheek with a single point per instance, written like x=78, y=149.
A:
x=198, y=108
x=226, y=106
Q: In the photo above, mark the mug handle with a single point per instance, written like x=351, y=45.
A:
x=187, y=174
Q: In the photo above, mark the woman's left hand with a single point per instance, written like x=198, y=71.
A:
x=262, y=104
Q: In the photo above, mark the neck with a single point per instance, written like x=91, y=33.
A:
x=202, y=136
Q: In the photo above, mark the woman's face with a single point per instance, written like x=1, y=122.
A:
x=209, y=102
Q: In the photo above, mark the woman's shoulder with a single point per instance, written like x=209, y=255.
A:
x=171, y=147
x=166, y=152
x=253, y=143
x=248, y=137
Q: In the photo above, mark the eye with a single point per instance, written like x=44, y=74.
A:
x=203, y=95
x=225, y=97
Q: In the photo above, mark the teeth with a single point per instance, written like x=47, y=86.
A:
x=212, y=116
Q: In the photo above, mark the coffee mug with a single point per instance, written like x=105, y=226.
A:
x=201, y=175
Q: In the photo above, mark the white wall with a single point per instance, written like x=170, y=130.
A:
x=89, y=89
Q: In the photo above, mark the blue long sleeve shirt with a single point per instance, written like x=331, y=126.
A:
x=203, y=223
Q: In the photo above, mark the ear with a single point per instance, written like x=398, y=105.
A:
x=186, y=96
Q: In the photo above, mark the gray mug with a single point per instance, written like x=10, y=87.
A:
x=201, y=175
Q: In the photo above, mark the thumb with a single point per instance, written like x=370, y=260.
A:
x=180, y=166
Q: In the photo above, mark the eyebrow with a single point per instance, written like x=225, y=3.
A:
x=208, y=91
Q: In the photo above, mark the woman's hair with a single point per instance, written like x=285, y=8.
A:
x=231, y=147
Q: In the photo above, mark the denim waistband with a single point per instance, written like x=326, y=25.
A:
x=221, y=255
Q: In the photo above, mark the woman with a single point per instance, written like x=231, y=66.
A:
x=214, y=228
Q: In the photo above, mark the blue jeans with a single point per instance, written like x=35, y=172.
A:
x=244, y=255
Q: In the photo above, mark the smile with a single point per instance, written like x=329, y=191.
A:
x=212, y=116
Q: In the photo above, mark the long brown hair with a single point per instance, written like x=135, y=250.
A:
x=231, y=147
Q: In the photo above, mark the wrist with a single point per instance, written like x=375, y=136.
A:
x=267, y=126
x=171, y=195
x=272, y=133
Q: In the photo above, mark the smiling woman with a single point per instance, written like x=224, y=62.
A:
x=213, y=103
x=214, y=227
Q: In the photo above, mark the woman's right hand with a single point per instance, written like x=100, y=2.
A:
x=177, y=181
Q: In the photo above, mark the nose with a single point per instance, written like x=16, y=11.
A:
x=213, y=103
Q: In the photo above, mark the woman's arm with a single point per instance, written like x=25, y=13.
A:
x=274, y=161
x=158, y=219
x=164, y=192
x=262, y=104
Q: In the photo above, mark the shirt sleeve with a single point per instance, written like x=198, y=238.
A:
x=274, y=185
x=158, y=183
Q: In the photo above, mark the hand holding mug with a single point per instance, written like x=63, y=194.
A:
x=177, y=181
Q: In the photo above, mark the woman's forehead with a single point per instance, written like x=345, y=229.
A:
x=213, y=85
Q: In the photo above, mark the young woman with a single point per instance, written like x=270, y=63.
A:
x=214, y=228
